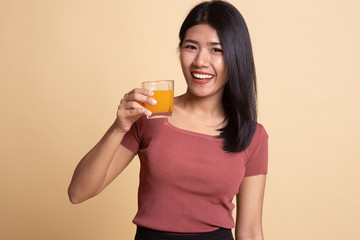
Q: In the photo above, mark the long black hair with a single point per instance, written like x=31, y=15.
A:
x=239, y=97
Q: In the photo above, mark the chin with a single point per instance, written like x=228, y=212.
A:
x=200, y=93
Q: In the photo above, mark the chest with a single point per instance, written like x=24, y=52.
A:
x=192, y=162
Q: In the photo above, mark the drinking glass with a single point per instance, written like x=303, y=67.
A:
x=163, y=94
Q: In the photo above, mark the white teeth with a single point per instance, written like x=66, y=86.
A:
x=202, y=76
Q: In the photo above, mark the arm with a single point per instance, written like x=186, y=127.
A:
x=108, y=158
x=249, y=208
x=99, y=167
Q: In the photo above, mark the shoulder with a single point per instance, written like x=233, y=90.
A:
x=147, y=126
x=260, y=132
x=259, y=139
x=257, y=153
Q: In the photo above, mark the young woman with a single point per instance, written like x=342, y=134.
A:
x=210, y=150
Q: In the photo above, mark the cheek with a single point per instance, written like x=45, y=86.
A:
x=220, y=63
x=184, y=65
x=184, y=59
x=220, y=66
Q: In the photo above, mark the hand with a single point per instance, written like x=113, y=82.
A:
x=132, y=107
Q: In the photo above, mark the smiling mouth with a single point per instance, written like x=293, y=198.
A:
x=202, y=76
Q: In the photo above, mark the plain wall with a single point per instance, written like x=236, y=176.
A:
x=65, y=65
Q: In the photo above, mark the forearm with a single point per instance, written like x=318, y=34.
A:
x=255, y=237
x=90, y=173
x=249, y=235
x=248, y=231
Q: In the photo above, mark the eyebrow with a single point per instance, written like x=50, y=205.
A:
x=196, y=42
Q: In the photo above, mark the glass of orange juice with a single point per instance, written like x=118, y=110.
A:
x=163, y=94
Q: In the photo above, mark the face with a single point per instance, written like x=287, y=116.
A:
x=203, y=62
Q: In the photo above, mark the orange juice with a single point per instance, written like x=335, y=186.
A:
x=165, y=102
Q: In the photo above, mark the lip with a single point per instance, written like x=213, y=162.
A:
x=198, y=81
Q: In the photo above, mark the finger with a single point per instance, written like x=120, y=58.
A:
x=142, y=91
x=132, y=112
x=139, y=97
x=132, y=105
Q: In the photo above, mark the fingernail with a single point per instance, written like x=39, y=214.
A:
x=148, y=113
x=151, y=93
x=153, y=101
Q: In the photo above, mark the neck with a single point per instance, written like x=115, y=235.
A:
x=210, y=106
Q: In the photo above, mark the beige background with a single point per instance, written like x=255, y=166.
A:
x=64, y=66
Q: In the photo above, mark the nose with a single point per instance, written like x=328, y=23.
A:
x=202, y=59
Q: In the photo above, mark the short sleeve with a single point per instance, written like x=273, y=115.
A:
x=257, y=153
x=131, y=139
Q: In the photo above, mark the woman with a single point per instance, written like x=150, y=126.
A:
x=208, y=151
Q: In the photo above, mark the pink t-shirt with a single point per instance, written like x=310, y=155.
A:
x=187, y=181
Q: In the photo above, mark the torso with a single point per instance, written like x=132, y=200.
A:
x=187, y=181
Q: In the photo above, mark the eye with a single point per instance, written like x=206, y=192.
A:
x=191, y=47
x=217, y=50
